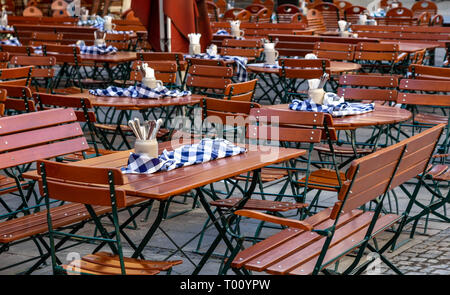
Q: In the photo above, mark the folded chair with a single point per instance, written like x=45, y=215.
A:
x=78, y=185
x=312, y=245
x=42, y=73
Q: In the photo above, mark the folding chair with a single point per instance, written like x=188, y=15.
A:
x=41, y=38
x=19, y=99
x=312, y=245
x=84, y=113
x=178, y=57
x=42, y=70
x=75, y=184
x=69, y=60
x=208, y=80
x=243, y=91
x=295, y=72
x=379, y=57
x=16, y=76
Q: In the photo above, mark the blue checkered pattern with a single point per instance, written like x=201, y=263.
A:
x=337, y=110
x=6, y=28
x=222, y=32
x=206, y=150
x=267, y=66
x=241, y=63
x=139, y=91
x=102, y=49
x=97, y=23
x=13, y=41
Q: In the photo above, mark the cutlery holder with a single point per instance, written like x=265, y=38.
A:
x=149, y=147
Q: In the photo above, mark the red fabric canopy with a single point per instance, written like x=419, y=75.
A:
x=188, y=16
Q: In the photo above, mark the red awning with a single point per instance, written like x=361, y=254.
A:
x=187, y=16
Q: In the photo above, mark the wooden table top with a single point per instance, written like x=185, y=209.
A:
x=137, y=103
x=411, y=47
x=162, y=185
x=335, y=67
x=381, y=115
x=118, y=57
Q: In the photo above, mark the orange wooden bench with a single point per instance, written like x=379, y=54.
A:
x=311, y=245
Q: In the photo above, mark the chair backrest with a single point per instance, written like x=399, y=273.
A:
x=237, y=14
x=334, y=51
x=417, y=92
x=243, y=91
x=368, y=87
x=19, y=99
x=166, y=71
x=267, y=3
x=351, y=14
x=213, y=11
x=254, y=8
x=63, y=53
x=437, y=20
x=2, y=101
x=315, y=20
x=307, y=127
x=225, y=112
x=429, y=72
x=342, y=5
x=178, y=57
x=29, y=137
x=424, y=6
x=263, y=16
x=40, y=38
x=285, y=12
x=242, y=43
x=373, y=175
x=122, y=42
x=244, y=52
x=303, y=68
x=42, y=65
x=330, y=13
x=19, y=75
x=17, y=50
x=376, y=51
x=32, y=11
x=399, y=12
x=201, y=79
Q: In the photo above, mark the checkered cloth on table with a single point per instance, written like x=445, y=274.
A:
x=241, y=63
x=96, y=23
x=206, y=150
x=101, y=49
x=13, y=41
x=6, y=28
x=139, y=91
x=337, y=110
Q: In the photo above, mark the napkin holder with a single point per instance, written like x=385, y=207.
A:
x=99, y=38
x=108, y=25
x=194, y=44
x=316, y=95
x=149, y=147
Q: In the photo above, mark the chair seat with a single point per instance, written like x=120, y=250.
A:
x=424, y=118
x=263, y=205
x=342, y=150
x=294, y=251
x=103, y=263
x=322, y=178
x=439, y=172
x=8, y=184
x=267, y=174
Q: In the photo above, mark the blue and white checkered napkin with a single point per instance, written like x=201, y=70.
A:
x=6, y=28
x=98, y=22
x=13, y=41
x=268, y=66
x=101, y=49
x=206, y=150
x=139, y=91
x=222, y=32
x=241, y=63
x=336, y=110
